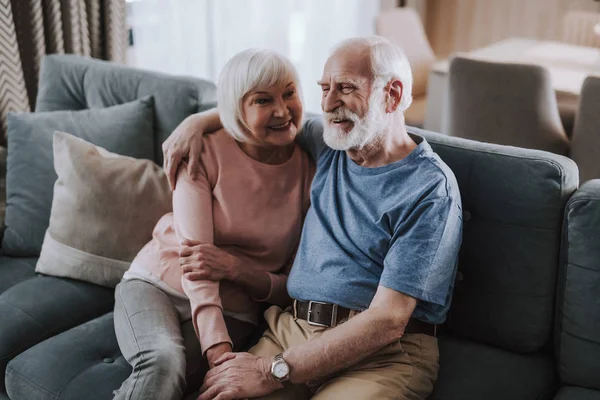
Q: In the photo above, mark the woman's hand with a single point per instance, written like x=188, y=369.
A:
x=207, y=262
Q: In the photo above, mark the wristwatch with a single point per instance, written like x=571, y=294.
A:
x=280, y=369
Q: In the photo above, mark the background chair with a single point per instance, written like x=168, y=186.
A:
x=567, y=108
x=403, y=27
x=585, y=145
x=510, y=104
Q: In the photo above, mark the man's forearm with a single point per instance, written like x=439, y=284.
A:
x=342, y=346
x=206, y=121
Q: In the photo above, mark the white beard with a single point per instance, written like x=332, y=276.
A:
x=364, y=131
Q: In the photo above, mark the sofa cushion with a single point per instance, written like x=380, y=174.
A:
x=15, y=269
x=577, y=393
x=578, y=304
x=471, y=370
x=104, y=210
x=43, y=306
x=30, y=176
x=69, y=82
x=83, y=363
x=513, y=200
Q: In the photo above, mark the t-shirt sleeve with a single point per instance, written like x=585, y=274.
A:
x=193, y=216
x=310, y=138
x=422, y=258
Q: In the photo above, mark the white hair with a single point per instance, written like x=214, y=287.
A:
x=247, y=71
x=388, y=62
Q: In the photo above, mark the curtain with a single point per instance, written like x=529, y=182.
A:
x=197, y=37
x=31, y=28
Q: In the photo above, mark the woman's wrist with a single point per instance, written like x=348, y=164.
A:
x=237, y=274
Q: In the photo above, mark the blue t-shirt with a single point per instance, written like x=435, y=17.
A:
x=398, y=226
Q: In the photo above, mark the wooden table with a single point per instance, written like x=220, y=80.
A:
x=568, y=65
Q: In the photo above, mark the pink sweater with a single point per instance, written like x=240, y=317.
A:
x=252, y=210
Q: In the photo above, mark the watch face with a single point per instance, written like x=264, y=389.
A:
x=280, y=370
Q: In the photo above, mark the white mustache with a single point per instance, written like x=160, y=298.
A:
x=342, y=113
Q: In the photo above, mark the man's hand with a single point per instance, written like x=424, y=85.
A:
x=184, y=142
x=215, y=352
x=207, y=262
x=239, y=376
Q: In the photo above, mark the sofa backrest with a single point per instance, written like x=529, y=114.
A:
x=513, y=202
x=69, y=82
x=578, y=298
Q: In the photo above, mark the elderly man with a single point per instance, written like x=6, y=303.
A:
x=376, y=263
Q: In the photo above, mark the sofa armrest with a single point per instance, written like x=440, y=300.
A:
x=582, y=223
x=578, y=305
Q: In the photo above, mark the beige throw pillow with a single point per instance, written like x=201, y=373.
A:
x=104, y=210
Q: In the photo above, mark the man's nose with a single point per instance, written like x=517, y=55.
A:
x=330, y=102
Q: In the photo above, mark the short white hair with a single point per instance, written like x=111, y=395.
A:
x=247, y=71
x=388, y=62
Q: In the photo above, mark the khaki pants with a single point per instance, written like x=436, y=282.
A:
x=406, y=369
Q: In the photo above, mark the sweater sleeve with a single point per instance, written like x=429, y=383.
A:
x=278, y=294
x=193, y=217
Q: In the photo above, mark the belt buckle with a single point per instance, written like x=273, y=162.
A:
x=333, y=315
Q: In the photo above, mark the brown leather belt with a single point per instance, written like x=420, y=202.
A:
x=328, y=315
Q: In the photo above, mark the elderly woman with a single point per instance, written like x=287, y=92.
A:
x=230, y=240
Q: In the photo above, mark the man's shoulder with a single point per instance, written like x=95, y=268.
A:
x=433, y=172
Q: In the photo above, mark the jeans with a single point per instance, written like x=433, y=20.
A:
x=148, y=329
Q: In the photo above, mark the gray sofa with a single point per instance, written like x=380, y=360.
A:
x=577, y=333
x=517, y=328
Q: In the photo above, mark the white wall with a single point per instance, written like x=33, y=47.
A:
x=197, y=37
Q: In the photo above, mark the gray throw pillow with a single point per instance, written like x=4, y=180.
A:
x=126, y=129
x=104, y=210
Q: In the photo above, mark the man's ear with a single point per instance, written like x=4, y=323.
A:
x=393, y=96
